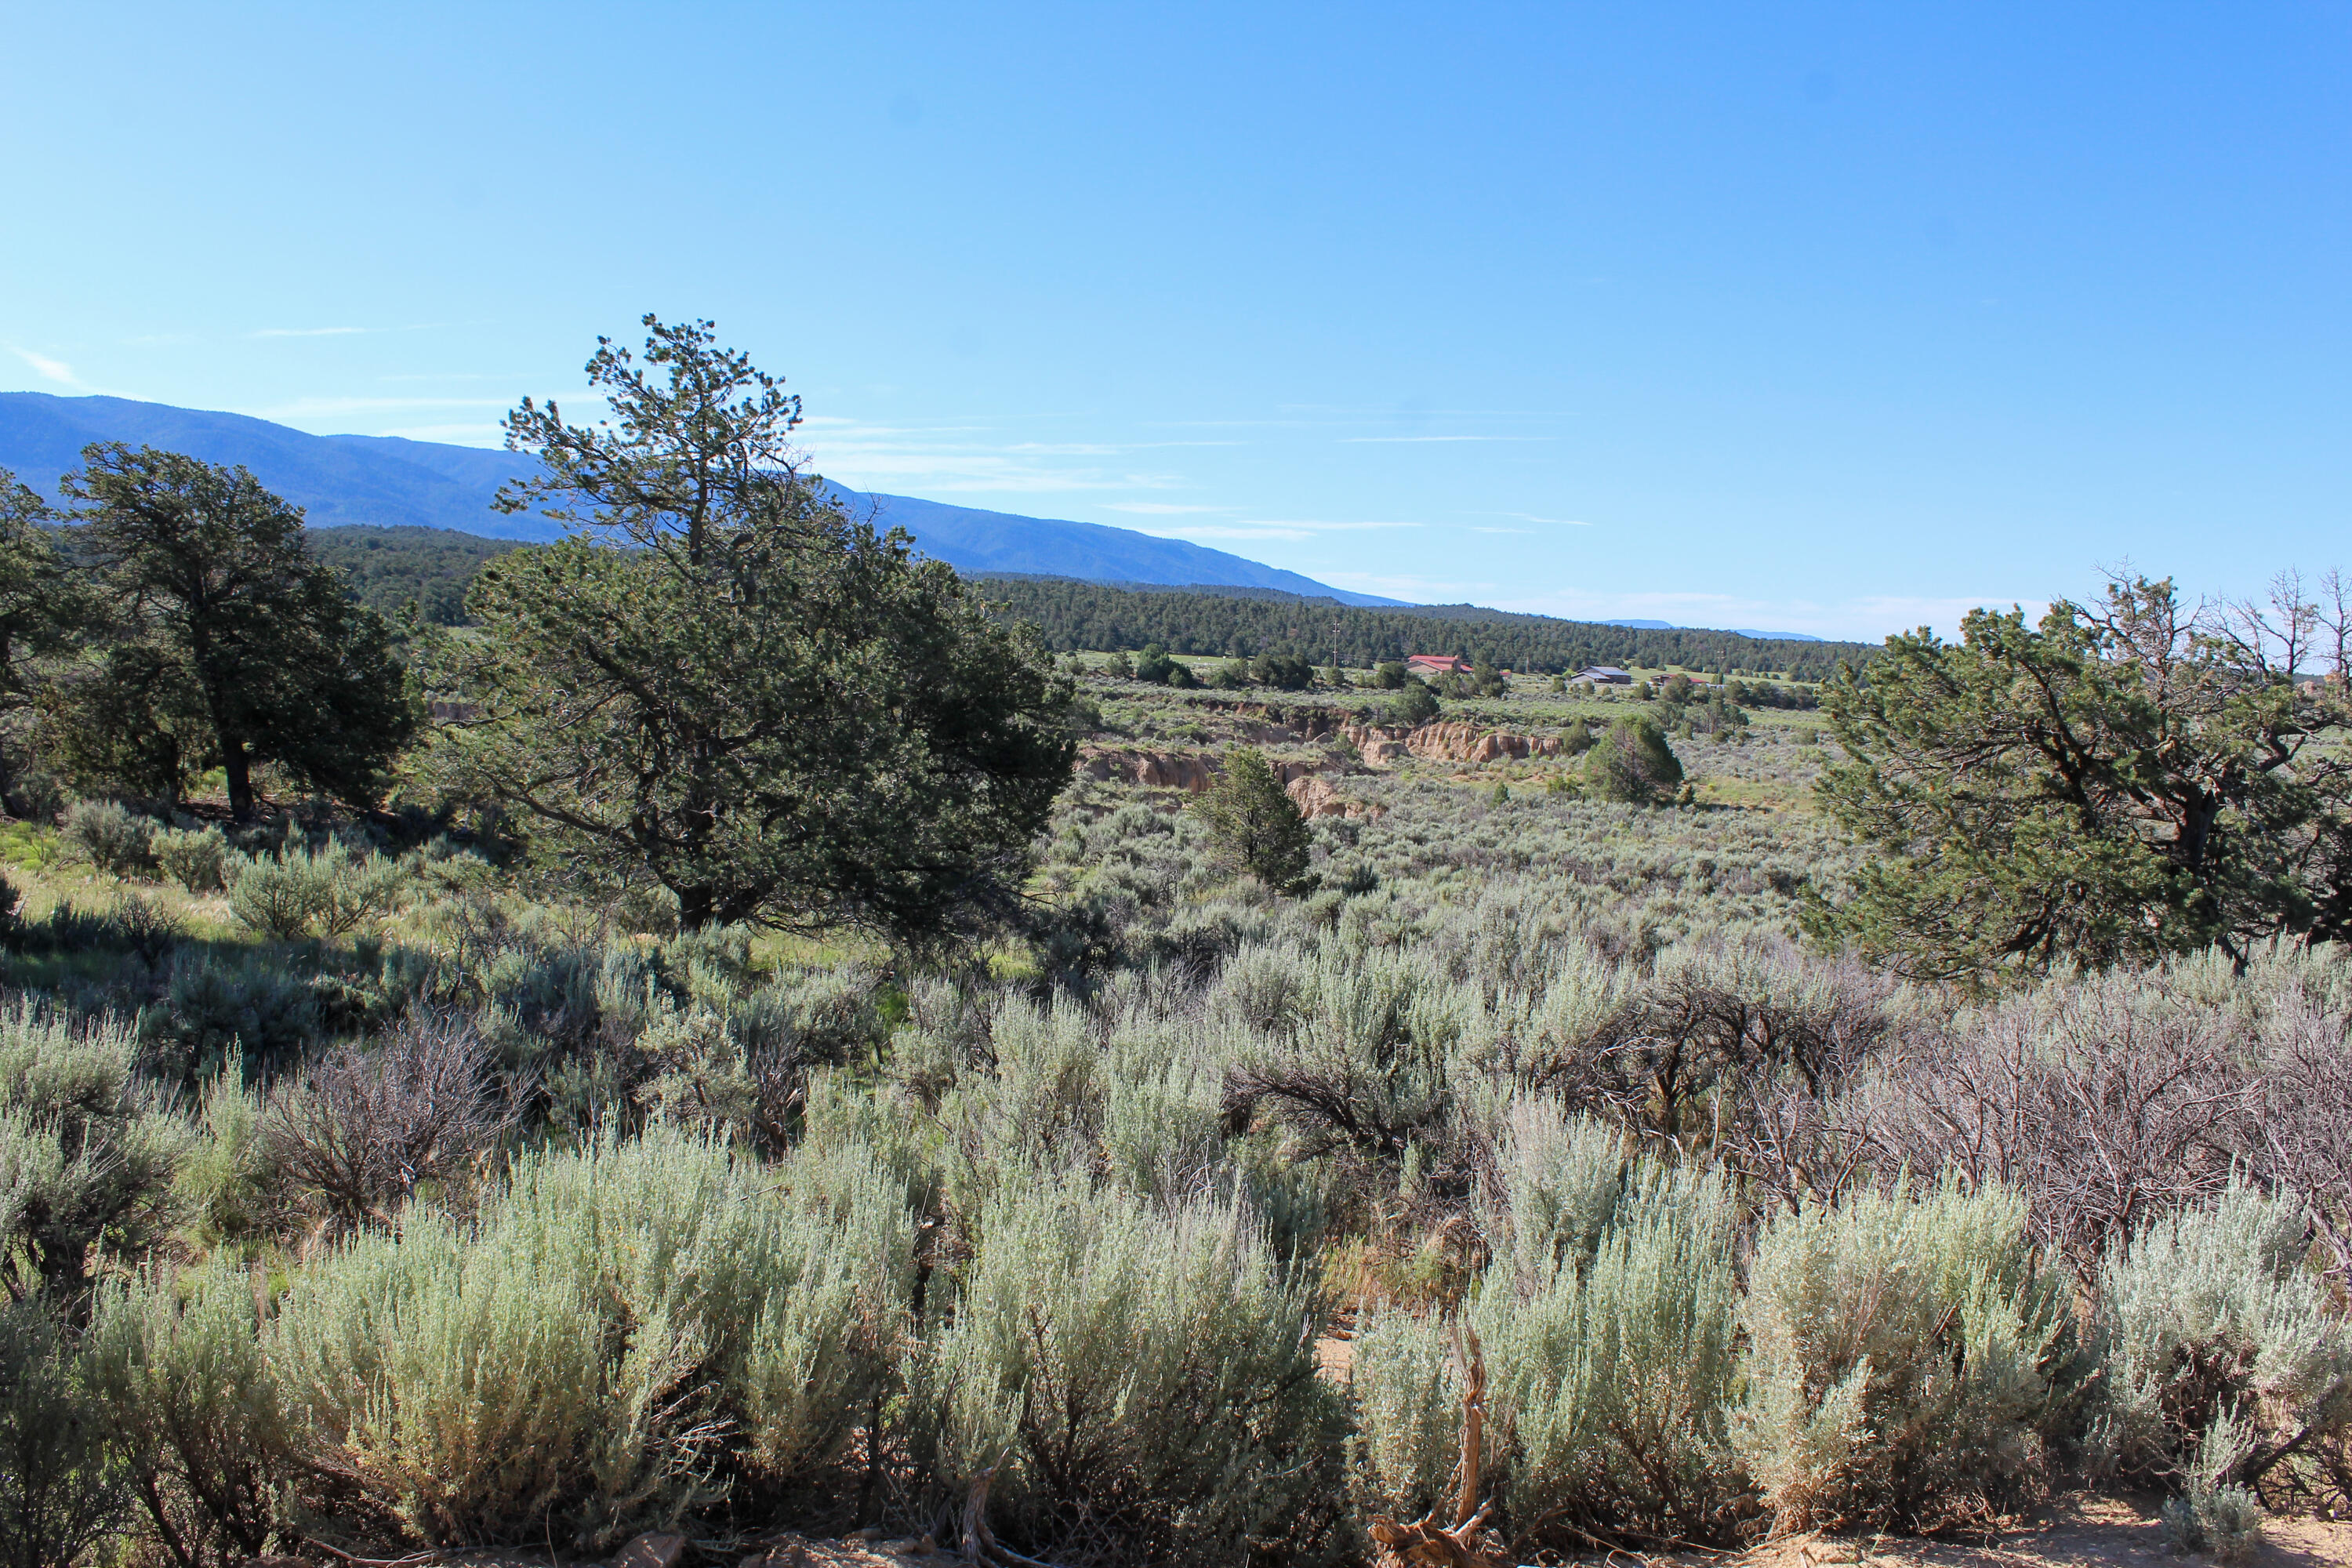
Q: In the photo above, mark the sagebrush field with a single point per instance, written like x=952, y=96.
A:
x=732, y=1039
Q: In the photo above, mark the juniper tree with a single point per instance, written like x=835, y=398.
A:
x=1253, y=820
x=226, y=642
x=2112, y=783
x=42, y=605
x=1632, y=764
x=41, y=601
x=725, y=681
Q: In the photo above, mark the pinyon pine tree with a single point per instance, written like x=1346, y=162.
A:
x=725, y=681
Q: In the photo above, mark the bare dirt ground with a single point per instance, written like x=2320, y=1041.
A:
x=2080, y=1531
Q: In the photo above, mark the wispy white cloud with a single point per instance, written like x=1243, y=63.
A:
x=953, y=459
x=1556, y=521
x=1266, y=527
x=1228, y=531
x=1420, y=590
x=1414, y=440
x=1867, y=618
x=1477, y=530
x=317, y=407
x=48, y=369
x=1159, y=508
x=311, y=331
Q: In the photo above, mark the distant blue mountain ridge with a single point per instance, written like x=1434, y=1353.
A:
x=390, y=482
x=1735, y=631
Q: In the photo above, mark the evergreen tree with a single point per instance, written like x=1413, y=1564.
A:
x=2110, y=784
x=1256, y=822
x=1282, y=671
x=725, y=681
x=227, y=643
x=1414, y=703
x=1632, y=764
x=42, y=605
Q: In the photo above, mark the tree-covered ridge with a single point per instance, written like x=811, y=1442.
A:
x=1074, y=614
x=388, y=567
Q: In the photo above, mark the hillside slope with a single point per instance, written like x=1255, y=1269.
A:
x=387, y=482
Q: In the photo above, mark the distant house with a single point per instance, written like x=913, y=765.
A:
x=1438, y=664
x=1601, y=675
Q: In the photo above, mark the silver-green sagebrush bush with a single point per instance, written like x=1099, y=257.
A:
x=298, y=891
x=85, y=1152
x=196, y=857
x=1148, y=1376
x=2220, y=1355
x=180, y=1366
x=64, y=1484
x=1906, y=1358
x=1612, y=1372
x=1607, y=1326
x=578, y=1358
x=108, y=836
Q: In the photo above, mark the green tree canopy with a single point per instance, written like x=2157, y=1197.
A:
x=1632, y=764
x=1282, y=671
x=724, y=681
x=226, y=642
x=1256, y=821
x=41, y=603
x=2113, y=783
x=1414, y=702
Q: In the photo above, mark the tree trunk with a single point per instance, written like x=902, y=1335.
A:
x=239, y=769
x=695, y=908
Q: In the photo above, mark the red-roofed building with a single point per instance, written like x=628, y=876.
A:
x=1438, y=664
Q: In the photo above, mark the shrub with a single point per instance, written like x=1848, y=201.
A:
x=1282, y=671
x=1404, y=1390
x=180, y=1366
x=363, y=1130
x=227, y=1178
x=1902, y=1361
x=2219, y=1352
x=298, y=891
x=1230, y=676
x=1414, y=703
x=2224, y=1523
x=1613, y=1372
x=108, y=835
x=1632, y=764
x=1153, y=667
x=214, y=1006
x=1149, y=1376
x=88, y=1159
x=196, y=859
x=1389, y=675
x=1356, y=1057
x=573, y=1361
x=63, y=1479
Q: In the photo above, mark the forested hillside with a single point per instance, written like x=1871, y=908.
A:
x=1075, y=614
x=387, y=567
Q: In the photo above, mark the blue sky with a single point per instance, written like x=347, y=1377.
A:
x=1835, y=319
